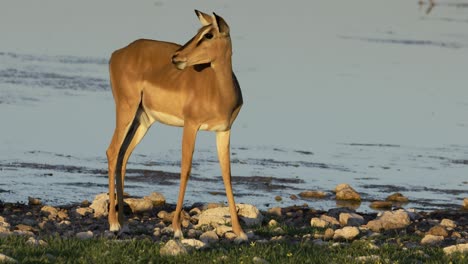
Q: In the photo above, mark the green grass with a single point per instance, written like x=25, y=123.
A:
x=101, y=250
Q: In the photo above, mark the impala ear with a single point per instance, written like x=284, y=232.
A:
x=205, y=19
x=223, y=27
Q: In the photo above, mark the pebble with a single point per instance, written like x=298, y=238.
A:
x=329, y=233
x=381, y=205
x=448, y=223
x=438, y=231
x=36, y=242
x=6, y=259
x=83, y=211
x=275, y=211
x=209, y=237
x=293, y=197
x=347, y=233
x=258, y=260
x=278, y=198
x=432, y=240
x=313, y=194
x=195, y=243
x=397, y=197
x=49, y=211
x=173, y=248
x=346, y=192
x=317, y=222
x=34, y=201
x=84, y=235
x=462, y=248
x=156, y=198
x=351, y=219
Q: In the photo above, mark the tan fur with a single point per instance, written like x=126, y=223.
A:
x=192, y=86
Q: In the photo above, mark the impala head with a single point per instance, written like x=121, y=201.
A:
x=211, y=43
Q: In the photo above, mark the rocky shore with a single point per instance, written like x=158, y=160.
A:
x=204, y=224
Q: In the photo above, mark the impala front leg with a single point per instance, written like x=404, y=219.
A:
x=222, y=142
x=188, y=145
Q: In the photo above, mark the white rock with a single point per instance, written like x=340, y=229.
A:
x=390, y=220
x=462, y=248
x=209, y=237
x=249, y=214
x=7, y=259
x=100, y=205
x=347, y=232
x=157, y=198
x=317, y=222
x=273, y=223
x=351, y=219
x=173, y=248
x=84, y=235
x=448, y=223
x=222, y=229
x=330, y=219
x=432, y=240
x=258, y=260
x=83, y=211
x=195, y=243
x=49, y=211
x=139, y=205
x=35, y=242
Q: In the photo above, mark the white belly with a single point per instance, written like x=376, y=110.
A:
x=164, y=118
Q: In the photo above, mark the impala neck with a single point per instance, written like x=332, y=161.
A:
x=223, y=71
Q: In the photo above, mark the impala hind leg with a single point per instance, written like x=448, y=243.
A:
x=223, y=146
x=188, y=145
x=126, y=126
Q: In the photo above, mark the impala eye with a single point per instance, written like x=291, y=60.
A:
x=208, y=36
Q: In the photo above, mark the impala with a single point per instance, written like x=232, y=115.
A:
x=190, y=86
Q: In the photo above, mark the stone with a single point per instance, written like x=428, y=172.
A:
x=35, y=242
x=222, y=229
x=448, y=223
x=390, y=220
x=351, y=219
x=278, y=198
x=84, y=235
x=259, y=260
x=165, y=216
x=398, y=198
x=195, y=243
x=330, y=219
x=84, y=211
x=438, y=231
x=24, y=227
x=34, y=201
x=249, y=214
x=209, y=237
x=465, y=202
x=369, y=259
x=346, y=192
x=100, y=205
x=139, y=205
x=329, y=233
x=273, y=223
x=275, y=211
x=156, y=198
x=195, y=211
x=347, y=233
x=173, y=248
x=381, y=205
x=6, y=259
x=313, y=194
x=317, y=222
x=462, y=248
x=62, y=214
x=293, y=197
x=432, y=240
x=49, y=211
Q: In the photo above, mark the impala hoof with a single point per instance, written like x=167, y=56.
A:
x=178, y=234
x=241, y=238
x=114, y=227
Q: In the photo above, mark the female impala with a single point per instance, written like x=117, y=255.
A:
x=190, y=86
